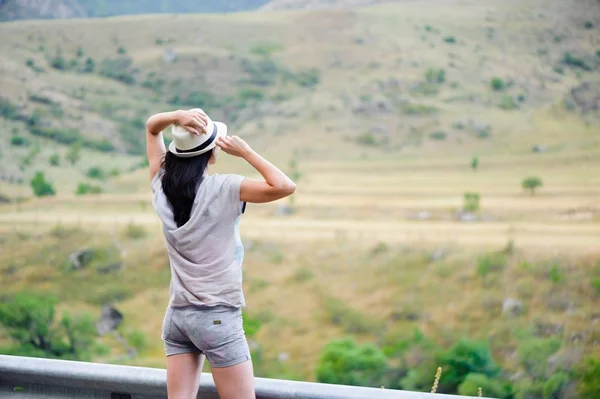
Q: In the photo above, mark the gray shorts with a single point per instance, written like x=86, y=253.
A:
x=215, y=331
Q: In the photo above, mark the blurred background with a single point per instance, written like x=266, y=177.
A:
x=446, y=155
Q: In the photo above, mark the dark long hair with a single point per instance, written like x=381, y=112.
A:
x=180, y=181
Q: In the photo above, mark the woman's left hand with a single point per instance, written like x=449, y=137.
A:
x=193, y=120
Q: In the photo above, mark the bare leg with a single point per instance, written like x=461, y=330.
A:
x=235, y=382
x=183, y=375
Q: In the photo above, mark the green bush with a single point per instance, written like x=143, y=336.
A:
x=588, y=25
x=463, y=358
x=438, y=135
x=120, y=69
x=19, y=141
x=58, y=62
x=302, y=274
x=587, y=374
x=54, y=160
x=30, y=323
x=40, y=186
x=533, y=354
x=85, y=188
x=496, y=83
x=490, y=388
x=95, y=172
x=250, y=94
x=138, y=340
x=570, y=60
x=79, y=52
x=367, y=139
x=343, y=361
x=474, y=163
x=89, y=66
x=471, y=202
x=433, y=75
x=490, y=262
x=596, y=285
x=38, y=98
x=351, y=320
x=8, y=110
x=554, y=386
x=263, y=72
x=508, y=103
x=531, y=183
x=450, y=39
x=135, y=231
x=309, y=78
x=121, y=50
x=74, y=153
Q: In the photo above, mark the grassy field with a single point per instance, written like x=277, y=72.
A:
x=375, y=234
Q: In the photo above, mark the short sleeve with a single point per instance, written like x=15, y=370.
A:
x=231, y=188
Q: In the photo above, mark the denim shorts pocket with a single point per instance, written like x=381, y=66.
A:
x=220, y=326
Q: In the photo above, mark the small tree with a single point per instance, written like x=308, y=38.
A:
x=496, y=83
x=474, y=163
x=40, y=186
x=74, y=153
x=531, y=183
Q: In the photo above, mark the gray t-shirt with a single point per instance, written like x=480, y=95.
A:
x=206, y=253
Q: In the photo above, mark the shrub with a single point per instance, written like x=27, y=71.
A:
x=595, y=283
x=31, y=64
x=570, y=60
x=418, y=109
x=533, y=353
x=262, y=73
x=531, y=183
x=587, y=375
x=138, y=340
x=121, y=50
x=474, y=381
x=438, y=136
x=120, y=69
x=89, y=66
x=463, y=358
x=308, y=78
x=367, y=139
x=554, y=386
x=433, y=75
x=490, y=262
x=351, y=320
x=588, y=25
x=8, y=110
x=159, y=42
x=74, y=153
x=19, y=141
x=343, y=361
x=40, y=186
x=95, y=172
x=471, y=202
x=58, y=62
x=508, y=103
x=79, y=52
x=474, y=163
x=38, y=98
x=450, y=39
x=496, y=83
x=85, y=188
x=135, y=231
x=302, y=274
x=250, y=94
x=54, y=160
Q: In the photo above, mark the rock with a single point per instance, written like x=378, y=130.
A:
x=538, y=148
x=466, y=217
x=81, y=258
x=512, y=307
x=109, y=268
x=284, y=210
x=110, y=319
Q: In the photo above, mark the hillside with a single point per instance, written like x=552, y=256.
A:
x=412, y=128
x=61, y=9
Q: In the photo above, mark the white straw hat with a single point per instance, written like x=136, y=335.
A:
x=186, y=144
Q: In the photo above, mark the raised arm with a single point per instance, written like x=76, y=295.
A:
x=194, y=121
x=276, y=185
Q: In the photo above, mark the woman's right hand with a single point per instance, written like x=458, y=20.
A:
x=233, y=145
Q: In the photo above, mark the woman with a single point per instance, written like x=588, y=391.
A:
x=200, y=214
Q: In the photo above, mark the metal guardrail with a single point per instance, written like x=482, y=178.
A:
x=27, y=377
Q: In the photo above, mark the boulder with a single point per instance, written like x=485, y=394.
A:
x=81, y=258
x=110, y=319
x=512, y=307
x=109, y=268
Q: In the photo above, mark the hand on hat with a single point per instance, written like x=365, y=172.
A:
x=233, y=145
x=194, y=121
